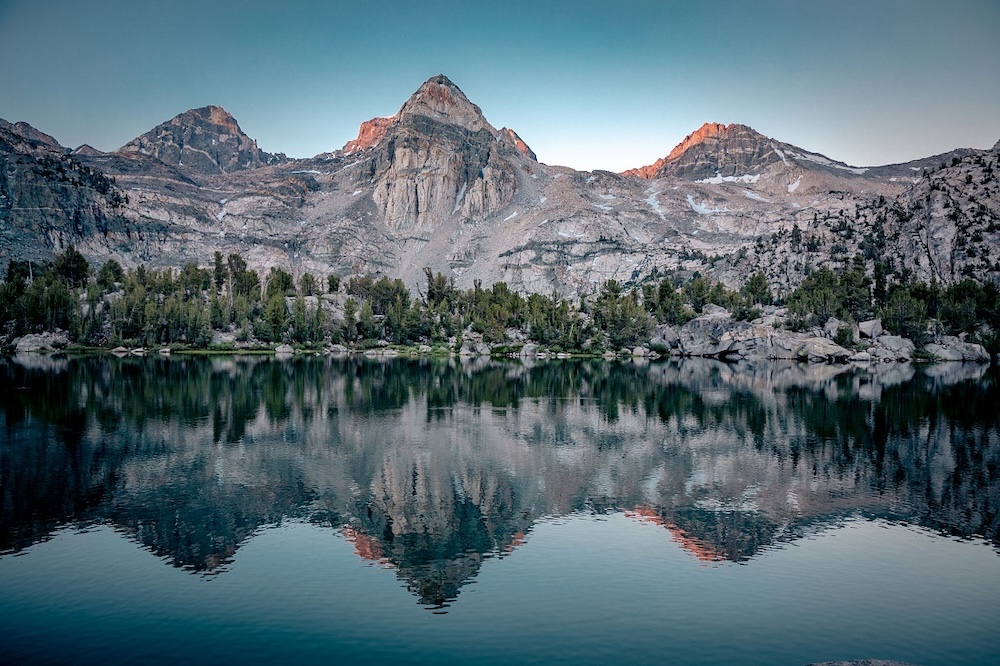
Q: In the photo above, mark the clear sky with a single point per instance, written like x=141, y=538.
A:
x=607, y=85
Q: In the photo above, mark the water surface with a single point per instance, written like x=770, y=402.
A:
x=325, y=509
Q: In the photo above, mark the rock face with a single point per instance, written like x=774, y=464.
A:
x=206, y=140
x=369, y=134
x=50, y=199
x=438, y=157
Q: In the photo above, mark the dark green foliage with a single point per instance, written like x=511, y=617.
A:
x=621, y=317
x=825, y=294
x=307, y=284
x=279, y=283
x=71, y=267
x=110, y=274
x=162, y=306
x=905, y=315
x=221, y=271
x=332, y=284
x=757, y=290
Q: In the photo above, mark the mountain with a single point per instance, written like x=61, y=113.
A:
x=206, y=140
x=436, y=185
x=26, y=131
x=732, y=152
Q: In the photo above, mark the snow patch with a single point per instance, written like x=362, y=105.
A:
x=749, y=194
x=702, y=209
x=779, y=153
x=606, y=197
x=542, y=200
x=312, y=171
x=819, y=159
x=458, y=199
x=511, y=216
x=718, y=179
x=591, y=179
x=355, y=193
x=794, y=186
x=654, y=203
x=221, y=214
x=914, y=168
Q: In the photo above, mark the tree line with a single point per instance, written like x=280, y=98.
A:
x=149, y=307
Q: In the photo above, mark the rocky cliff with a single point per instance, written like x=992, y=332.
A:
x=436, y=185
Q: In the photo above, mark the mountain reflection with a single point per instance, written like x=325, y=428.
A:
x=430, y=466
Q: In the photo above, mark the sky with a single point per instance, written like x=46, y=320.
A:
x=591, y=85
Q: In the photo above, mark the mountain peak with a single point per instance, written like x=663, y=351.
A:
x=714, y=149
x=207, y=139
x=26, y=131
x=710, y=131
x=440, y=99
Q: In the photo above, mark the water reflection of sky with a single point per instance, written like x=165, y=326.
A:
x=582, y=589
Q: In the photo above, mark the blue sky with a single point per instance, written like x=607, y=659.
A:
x=586, y=84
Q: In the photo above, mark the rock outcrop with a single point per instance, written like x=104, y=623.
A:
x=951, y=348
x=35, y=343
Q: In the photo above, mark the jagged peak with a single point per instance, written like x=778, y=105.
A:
x=712, y=131
x=996, y=147
x=442, y=100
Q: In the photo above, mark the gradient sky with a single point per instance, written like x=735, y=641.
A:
x=607, y=85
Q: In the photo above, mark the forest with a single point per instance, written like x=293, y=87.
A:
x=228, y=304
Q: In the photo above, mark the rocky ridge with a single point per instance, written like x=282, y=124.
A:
x=436, y=185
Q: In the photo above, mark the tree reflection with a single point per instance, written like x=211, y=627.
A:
x=432, y=465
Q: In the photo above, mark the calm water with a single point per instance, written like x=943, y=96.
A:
x=256, y=510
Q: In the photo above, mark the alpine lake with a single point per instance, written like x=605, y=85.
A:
x=232, y=509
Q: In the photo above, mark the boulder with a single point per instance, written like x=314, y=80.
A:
x=830, y=327
x=41, y=343
x=665, y=337
x=860, y=357
x=822, y=350
x=951, y=348
x=284, y=349
x=528, y=351
x=337, y=350
x=871, y=328
x=900, y=349
x=702, y=336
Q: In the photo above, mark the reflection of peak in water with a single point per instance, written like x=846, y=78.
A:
x=436, y=465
